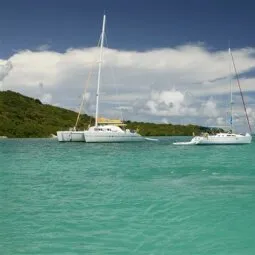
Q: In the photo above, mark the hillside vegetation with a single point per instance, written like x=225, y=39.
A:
x=22, y=116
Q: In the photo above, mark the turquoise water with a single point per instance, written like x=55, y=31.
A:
x=140, y=198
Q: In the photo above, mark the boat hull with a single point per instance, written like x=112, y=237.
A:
x=216, y=140
x=184, y=143
x=70, y=136
x=111, y=137
x=219, y=139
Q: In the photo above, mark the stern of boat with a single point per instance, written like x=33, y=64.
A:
x=248, y=137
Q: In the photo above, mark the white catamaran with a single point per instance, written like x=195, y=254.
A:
x=72, y=135
x=224, y=137
x=106, y=130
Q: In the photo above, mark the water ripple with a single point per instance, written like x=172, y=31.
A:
x=148, y=198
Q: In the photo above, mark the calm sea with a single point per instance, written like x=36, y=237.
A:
x=140, y=198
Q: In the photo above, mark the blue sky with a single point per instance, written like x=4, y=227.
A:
x=135, y=24
x=170, y=57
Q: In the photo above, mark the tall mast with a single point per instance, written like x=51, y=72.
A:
x=99, y=68
x=237, y=78
x=231, y=94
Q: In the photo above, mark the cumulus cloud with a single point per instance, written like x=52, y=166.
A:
x=220, y=121
x=5, y=68
x=144, y=80
x=165, y=121
x=46, y=98
x=251, y=115
x=169, y=103
x=43, y=47
x=210, y=108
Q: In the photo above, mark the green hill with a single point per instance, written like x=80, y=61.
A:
x=22, y=116
x=152, y=129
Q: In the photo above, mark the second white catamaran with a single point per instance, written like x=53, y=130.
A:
x=224, y=137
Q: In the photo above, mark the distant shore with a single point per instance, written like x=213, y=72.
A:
x=25, y=117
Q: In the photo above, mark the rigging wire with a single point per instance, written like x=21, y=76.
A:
x=114, y=78
x=237, y=78
x=84, y=91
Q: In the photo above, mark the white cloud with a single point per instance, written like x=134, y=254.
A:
x=168, y=103
x=143, y=79
x=43, y=47
x=165, y=121
x=251, y=115
x=5, y=68
x=46, y=98
x=210, y=108
x=220, y=121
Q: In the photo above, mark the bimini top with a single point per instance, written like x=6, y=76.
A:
x=104, y=121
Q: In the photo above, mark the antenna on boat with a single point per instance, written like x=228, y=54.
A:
x=99, y=68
